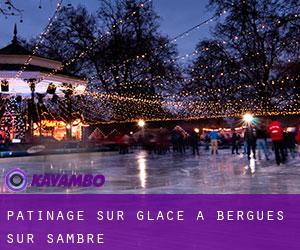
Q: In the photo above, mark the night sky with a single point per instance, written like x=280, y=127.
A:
x=176, y=17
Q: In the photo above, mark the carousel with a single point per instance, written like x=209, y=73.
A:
x=27, y=82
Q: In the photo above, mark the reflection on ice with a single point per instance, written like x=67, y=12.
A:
x=252, y=165
x=141, y=159
x=171, y=173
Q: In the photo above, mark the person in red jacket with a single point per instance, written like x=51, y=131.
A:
x=276, y=134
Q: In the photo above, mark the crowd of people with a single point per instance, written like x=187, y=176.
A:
x=254, y=140
x=284, y=142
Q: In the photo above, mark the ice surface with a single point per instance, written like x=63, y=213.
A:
x=141, y=173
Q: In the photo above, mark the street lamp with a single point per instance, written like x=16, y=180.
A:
x=248, y=118
x=197, y=130
x=141, y=123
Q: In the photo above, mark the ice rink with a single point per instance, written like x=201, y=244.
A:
x=141, y=173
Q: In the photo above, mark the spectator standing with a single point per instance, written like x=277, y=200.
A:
x=235, y=139
x=214, y=141
x=290, y=142
x=261, y=135
x=194, y=140
x=250, y=139
x=276, y=134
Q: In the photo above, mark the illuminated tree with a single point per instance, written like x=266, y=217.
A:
x=120, y=49
x=251, y=43
x=12, y=120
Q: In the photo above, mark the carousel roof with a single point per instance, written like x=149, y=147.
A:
x=46, y=71
x=14, y=55
x=14, y=48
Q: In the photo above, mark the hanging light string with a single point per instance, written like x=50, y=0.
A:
x=188, y=101
x=174, y=39
x=186, y=80
x=95, y=42
x=41, y=38
x=140, y=100
x=174, y=103
x=218, y=90
x=184, y=110
x=193, y=79
x=210, y=106
x=184, y=57
x=196, y=105
x=189, y=115
x=90, y=47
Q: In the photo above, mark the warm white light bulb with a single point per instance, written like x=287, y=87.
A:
x=141, y=123
x=248, y=118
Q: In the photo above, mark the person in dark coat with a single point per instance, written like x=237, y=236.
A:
x=250, y=139
x=290, y=143
x=194, y=140
x=235, y=139
x=261, y=136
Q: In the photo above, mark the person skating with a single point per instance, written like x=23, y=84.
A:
x=276, y=134
x=290, y=143
x=250, y=139
x=194, y=140
x=206, y=141
x=261, y=136
x=235, y=139
x=214, y=141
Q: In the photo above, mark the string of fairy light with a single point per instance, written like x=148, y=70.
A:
x=189, y=80
x=179, y=57
x=174, y=39
x=210, y=108
x=190, y=109
x=88, y=48
x=95, y=42
x=173, y=60
x=41, y=38
x=202, y=108
x=185, y=33
x=202, y=78
x=122, y=98
x=190, y=106
x=201, y=93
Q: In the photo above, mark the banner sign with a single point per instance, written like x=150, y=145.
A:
x=206, y=222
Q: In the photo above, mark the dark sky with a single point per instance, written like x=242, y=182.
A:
x=176, y=17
